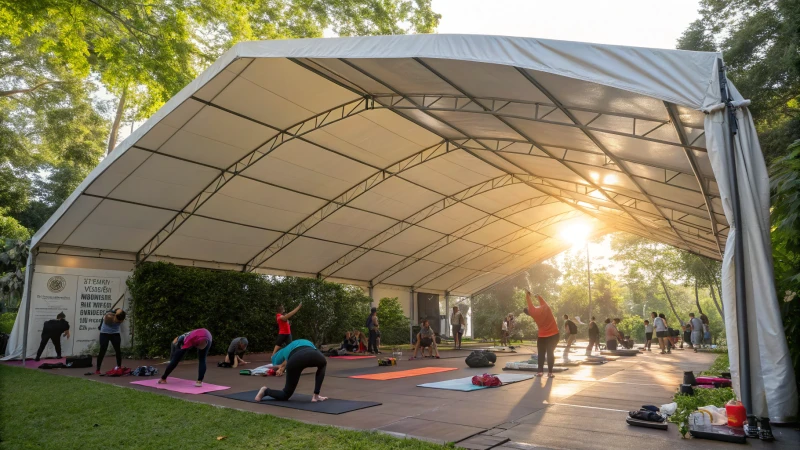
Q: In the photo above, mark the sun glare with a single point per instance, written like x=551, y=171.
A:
x=576, y=233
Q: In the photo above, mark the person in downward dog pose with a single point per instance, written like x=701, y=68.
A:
x=548, y=332
x=291, y=360
x=52, y=331
x=199, y=339
x=109, y=332
x=284, y=329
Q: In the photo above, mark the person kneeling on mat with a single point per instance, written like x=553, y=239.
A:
x=109, y=332
x=236, y=351
x=199, y=339
x=292, y=360
x=425, y=339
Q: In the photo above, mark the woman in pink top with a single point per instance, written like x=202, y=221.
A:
x=199, y=339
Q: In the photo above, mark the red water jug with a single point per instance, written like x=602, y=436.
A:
x=737, y=416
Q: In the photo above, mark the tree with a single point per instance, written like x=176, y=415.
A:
x=393, y=323
x=13, y=258
x=55, y=55
x=759, y=40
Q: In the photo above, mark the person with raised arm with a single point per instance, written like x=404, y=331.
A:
x=548, y=332
x=284, y=328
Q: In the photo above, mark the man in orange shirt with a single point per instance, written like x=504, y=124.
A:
x=548, y=332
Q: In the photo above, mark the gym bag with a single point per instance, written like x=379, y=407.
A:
x=480, y=358
x=144, y=371
x=79, y=362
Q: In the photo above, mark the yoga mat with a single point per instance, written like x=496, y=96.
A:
x=303, y=402
x=31, y=364
x=182, y=386
x=403, y=373
x=530, y=367
x=348, y=357
x=465, y=384
x=626, y=352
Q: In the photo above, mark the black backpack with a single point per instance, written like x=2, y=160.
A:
x=79, y=362
x=480, y=358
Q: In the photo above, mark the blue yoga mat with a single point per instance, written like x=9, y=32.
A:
x=465, y=384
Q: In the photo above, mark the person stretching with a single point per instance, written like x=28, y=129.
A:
x=292, y=360
x=594, y=336
x=571, y=332
x=548, y=332
x=426, y=339
x=109, y=332
x=284, y=329
x=199, y=339
x=236, y=351
x=52, y=331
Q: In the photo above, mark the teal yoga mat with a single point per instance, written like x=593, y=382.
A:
x=465, y=384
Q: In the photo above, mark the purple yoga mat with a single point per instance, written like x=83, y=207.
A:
x=181, y=385
x=31, y=364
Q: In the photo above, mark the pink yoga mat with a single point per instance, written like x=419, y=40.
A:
x=31, y=364
x=351, y=357
x=181, y=385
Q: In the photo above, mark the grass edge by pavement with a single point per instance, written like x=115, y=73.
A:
x=44, y=410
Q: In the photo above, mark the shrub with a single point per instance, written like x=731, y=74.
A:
x=687, y=404
x=168, y=300
x=524, y=327
x=7, y=323
x=393, y=323
x=632, y=326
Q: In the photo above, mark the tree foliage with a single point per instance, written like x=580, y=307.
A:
x=393, y=323
x=759, y=40
x=13, y=258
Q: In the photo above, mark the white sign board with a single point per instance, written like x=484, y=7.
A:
x=83, y=295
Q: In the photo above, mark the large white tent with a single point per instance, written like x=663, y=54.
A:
x=438, y=163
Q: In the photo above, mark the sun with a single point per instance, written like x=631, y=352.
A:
x=576, y=233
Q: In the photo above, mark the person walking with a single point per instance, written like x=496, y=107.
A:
x=52, y=330
x=372, y=326
x=199, y=339
x=548, y=332
x=458, y=324
x=696, y=325
x=648, y=335
x=594, y=336
x=109, y=332
x=284, y=328
x=570, y=334
x=292, y=360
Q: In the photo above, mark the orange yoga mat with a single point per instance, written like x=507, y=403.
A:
x=404, y=373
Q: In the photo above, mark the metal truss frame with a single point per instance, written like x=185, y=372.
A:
x=317, y=121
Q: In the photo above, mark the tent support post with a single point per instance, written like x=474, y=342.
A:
x=411, y=320
x=446, y=312
x=741, y=299
x=29, y=284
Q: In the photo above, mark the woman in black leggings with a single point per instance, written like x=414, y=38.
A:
x=548, y=333
x=291, y=360
x=199, y=339
x=109, y=333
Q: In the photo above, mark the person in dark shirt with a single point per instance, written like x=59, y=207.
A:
x=594, y=336
x=52, y=330
x=570, y=335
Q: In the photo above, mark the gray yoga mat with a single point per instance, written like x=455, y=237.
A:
x=303, y=402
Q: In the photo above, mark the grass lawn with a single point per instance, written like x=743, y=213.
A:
x=44, y=411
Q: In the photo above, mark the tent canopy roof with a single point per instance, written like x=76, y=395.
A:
x=438, y=162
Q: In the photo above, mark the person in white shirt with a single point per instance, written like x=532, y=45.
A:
x=660, y=326
x=504, y=332
x=648, y=335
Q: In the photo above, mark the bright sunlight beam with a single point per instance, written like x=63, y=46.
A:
x=576, y=233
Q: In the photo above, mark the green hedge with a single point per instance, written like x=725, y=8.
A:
x=168, y=300
x=7, y=323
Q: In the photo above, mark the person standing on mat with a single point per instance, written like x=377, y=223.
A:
x=571, y=332
x=696, y=325
x=594, y=336
x=199, y=339
x=236, y=351
x=284, y=329
x=457, y=323
x=372, y=326
x=548, y=332
x=292, y=360
x=109, y=332
x=52, y=331
x=648, y=335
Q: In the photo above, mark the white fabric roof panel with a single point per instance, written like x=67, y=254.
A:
x=406, y=159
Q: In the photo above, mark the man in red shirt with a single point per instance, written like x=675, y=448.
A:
x=284, y=329
x=548, y=332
